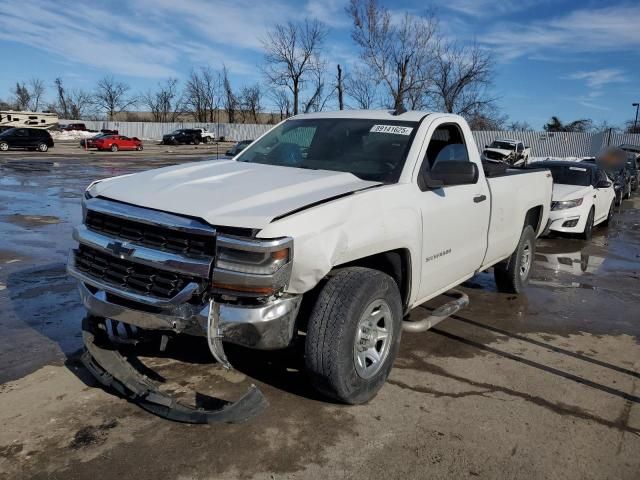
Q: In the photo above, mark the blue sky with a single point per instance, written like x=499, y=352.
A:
x=571, y=58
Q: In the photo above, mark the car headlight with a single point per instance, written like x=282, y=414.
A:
x=258, y=267
x=566, y=204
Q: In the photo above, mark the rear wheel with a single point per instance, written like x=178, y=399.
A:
x=513, y=274
x=4, y=146
x=43, y=147
x=114, y=148
x=196, y=141
x=139, y=148
x=353, y=334
x=588, y=228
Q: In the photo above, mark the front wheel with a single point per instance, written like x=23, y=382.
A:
x=610, y=214
x=43, y=147
x=588, y=228
x=4, y=146
x=205, y=140
x=114, y=148
x=139, y=148
x=196, y=141
x=353, y=334
x=513, y=274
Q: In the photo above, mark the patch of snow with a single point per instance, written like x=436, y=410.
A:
x=72, y=135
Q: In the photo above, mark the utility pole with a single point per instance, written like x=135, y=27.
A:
x=635, y=124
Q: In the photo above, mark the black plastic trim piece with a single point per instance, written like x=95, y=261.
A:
x=113, y=370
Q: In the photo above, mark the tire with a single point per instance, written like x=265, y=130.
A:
x=196, y=141
x=114, y=148
x=513, y=274
x=205, y=140
x=588, y=227
x=628, y=196
x=4, y=146
x=337, y=340
x=618, y=199
x=139, y=148
x=43, y=147
x=610, y=214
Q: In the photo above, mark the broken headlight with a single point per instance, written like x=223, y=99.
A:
x=259, y=267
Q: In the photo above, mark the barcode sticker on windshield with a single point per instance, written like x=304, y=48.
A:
x=395, y=129
x=578, y=169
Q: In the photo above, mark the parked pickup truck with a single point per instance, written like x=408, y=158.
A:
x=513, y=152
x=327, y=230
x=206, y=135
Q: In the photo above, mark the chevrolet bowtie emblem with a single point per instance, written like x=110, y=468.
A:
x=120, y=249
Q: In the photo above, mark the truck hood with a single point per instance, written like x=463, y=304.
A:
x=230, y=193
x=502, y=152
x=568, y=192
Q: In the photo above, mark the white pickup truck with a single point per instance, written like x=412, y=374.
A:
x=328, y=229
x=207, y=136
x=508, y=150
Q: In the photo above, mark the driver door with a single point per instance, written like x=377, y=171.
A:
x=455, y=218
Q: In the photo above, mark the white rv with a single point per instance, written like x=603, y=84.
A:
x=13, y=118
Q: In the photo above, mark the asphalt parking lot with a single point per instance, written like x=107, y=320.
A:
x=542, y=385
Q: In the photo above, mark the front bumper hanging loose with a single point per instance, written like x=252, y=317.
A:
x=113, y=370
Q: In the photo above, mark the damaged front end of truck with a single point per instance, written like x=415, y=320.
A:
x=173, y=274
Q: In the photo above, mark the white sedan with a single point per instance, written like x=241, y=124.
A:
x=583, y=196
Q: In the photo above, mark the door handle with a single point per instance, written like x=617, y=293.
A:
x=479, y=198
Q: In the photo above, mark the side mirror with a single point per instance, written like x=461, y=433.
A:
x=449, y=173
x=603, y=184
x=486, y=146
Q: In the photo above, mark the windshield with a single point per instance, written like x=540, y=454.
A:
x=502, y=145
x=571, y=175
x=6, y=132
x=175, y=132
x=370, y=149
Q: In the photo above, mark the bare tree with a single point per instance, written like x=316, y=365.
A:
x=71, y=105
x=362, y=88
x=22, y=96
x=112, y=97
x=282, y=101
x=462, y=76
x=165, y=104
x=36, y=90
x=631, y=126
x=292, y=55
x=229, y=98
x=517, y=126
x=250, y=102
x=202, y=95
x=398, y=54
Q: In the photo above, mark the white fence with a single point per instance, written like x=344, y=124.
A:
x=543, y=144
x=154, y=131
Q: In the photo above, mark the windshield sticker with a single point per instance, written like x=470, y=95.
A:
x=391, y=129
x=578, y=169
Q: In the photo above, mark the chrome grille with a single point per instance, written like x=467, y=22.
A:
x=154, y=236
x=132, y=276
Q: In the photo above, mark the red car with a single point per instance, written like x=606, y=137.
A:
x=117, y=142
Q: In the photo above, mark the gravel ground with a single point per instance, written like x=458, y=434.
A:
x=542, y=385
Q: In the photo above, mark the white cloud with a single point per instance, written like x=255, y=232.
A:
x=329, y=12
x=581, y=31
x=486, y=8
x=599, y=78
